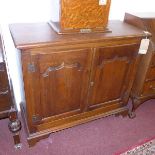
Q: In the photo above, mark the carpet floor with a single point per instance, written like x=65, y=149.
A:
x=146, y=148
x=105, y=136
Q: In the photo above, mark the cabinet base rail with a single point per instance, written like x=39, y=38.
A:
x=33, y=138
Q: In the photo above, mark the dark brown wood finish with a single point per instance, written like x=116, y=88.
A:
x=5, y=95
x=144, y=84
x=145, y=21
x=27, y=36
x=112, y=64
x=73, y=79
x=7, y=104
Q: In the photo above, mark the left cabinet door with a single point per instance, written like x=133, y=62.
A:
x=56, y=83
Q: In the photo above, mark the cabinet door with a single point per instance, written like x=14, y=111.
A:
x=112, y=75
x=58, y=84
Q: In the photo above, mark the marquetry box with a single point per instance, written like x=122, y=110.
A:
x=81, y=16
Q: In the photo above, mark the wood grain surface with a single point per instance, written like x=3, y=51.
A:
x=144, y=83
x=72, y=79
x=34, y=35
x=83, y=14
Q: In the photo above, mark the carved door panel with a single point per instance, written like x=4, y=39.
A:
x=112, y=75
x=60, y=82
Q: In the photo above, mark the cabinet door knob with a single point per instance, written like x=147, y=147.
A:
x=91, y=84
x=151, y=87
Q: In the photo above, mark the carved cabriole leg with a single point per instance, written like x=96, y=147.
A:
x=122, y=113
x=15, y=126
x=135, y=103
x=131, y=114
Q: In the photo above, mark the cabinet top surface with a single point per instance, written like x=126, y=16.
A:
x=41, y=34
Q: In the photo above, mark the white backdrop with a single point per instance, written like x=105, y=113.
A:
x=42, y=10
x=24, y=11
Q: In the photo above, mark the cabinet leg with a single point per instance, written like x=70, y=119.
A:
x=33, y=141
x=122, y=113
x=15, y=126
x=135, y=104
x=131, y=114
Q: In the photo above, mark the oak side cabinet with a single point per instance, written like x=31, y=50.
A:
x=75, y=78
x=7, y=104
x=144, y=84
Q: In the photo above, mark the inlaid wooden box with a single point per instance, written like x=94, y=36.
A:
x=82, y=16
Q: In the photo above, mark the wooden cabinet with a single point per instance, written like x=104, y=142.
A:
x=144, y=84
x=7, y=104
x=73, y=79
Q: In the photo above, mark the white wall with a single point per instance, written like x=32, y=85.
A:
x=119, y=7
x=24, y=10
x=21, y=11
x=42, y=10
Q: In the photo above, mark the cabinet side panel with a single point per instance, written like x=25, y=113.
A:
x=134, y=20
